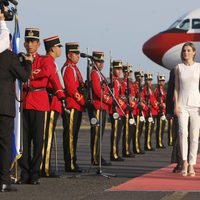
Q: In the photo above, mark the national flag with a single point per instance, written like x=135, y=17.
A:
x=16, y=142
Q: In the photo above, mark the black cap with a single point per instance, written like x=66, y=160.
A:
x=148, y=76
x=127, y=68
x=52, y=42
x=72, y=47
x=139, y=73
x=117, y=64
x=32, y=33
x=161, y=77
x=98, y=56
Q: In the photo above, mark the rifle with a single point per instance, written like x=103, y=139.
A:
x=107, y=84
x=141, y=114
x=150, y=118
x=115, y=113
x=131, y=117
x=160, y=101
x=88, y=96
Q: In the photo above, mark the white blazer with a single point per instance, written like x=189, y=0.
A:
x=189, y=77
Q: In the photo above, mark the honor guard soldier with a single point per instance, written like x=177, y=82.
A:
x=101, y=102
x=74, y=86
x=160, y=95
x=53, y=51
x=36, y=104
x=151, y=111
x=128, y=94
x=116, y=112
x=139, y=115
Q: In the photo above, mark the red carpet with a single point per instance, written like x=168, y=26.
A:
x=162, y=180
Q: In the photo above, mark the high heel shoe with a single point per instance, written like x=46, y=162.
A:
x=184, y=171
x=191, y=172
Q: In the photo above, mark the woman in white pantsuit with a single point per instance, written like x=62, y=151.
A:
x=187, y=106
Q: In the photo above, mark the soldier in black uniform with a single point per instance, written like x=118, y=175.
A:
x=176, y=152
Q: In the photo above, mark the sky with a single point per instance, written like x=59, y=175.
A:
x=119, y=26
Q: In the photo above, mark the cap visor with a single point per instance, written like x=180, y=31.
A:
x=31, y=39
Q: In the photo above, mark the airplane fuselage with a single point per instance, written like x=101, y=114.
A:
x=165, y=47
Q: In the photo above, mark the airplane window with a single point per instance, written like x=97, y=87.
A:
x=196, y=23
x=174, y=24
x=185, y=25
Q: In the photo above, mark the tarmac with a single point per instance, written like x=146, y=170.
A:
x=90, y=185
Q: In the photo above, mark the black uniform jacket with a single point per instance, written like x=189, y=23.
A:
x=170, y=93
x=10, y=69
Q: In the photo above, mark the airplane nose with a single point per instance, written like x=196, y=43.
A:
x=152, y=48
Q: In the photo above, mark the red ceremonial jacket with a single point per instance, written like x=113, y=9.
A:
x=35, y=95
x=56, y=104
x=117, y=90
x=98, y=86
x=135, y=86
x=153, y=104
x=73, y=80
x=163, y=97
x=133, y=102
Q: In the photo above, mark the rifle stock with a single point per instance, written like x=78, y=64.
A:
x=142, y=118
x=128, y=95
x=160, y=101
x=150, y=117
x=88, y=96
x=115, y=113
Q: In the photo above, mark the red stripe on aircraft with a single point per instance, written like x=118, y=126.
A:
x=159, y=44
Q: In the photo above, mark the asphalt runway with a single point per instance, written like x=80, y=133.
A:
x=92, y=186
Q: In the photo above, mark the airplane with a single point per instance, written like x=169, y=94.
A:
x=164, y=48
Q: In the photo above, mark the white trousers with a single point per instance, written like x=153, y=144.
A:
x=192, y=113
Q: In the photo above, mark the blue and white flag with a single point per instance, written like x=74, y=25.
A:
x=16, y=146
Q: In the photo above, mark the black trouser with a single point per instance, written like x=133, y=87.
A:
x=176, y=152
x=71, y=124
x=95, y=135
x=34, y=126
x=52, y=118
x=137, y=132
x=160, y=127
x=6, y=133
x=126, y=139
x=170, y=131
x=149, y=127
x=116, y=130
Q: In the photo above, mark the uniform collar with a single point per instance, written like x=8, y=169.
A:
x=116, y=77
x=36, y=54
x=125, y=78
x=160, y=86
x=51, y=57
x=69, y=62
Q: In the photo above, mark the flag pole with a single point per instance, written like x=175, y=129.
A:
x=18, y=129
